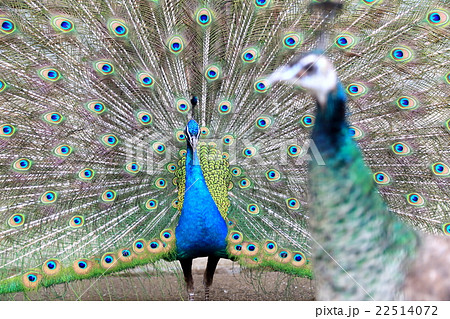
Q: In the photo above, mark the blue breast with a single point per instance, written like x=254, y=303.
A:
x=201, y=230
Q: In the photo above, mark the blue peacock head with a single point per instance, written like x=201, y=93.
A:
x=193, y=133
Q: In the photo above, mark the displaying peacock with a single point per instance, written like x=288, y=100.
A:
x=135, y=131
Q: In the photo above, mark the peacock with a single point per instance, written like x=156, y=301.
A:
x=136, y=131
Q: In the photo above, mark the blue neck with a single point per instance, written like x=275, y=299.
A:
x=201, y=230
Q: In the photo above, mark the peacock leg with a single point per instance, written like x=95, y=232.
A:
x=186, y=265
x=209, y=274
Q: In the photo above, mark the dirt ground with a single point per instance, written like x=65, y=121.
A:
x=167, y=283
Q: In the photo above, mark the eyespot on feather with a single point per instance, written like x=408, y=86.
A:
x=159, y=147
x=355, y=132
x=161, y=183
x=62, y=24
x=262, y=4
x=438, y=18
x=104, y=67
x=270, y=247
x=86, y=174
x=145, y=79
x=224, y=107
x=273, y=175
x=53, y=118
x=261, y=86
x=253, y=209
x=415, y=199
x=51, y=267
x=381, y=178
x=125, y=255
x=109, y=261
x=144, y=117
x=151, y=204
x=244, y=183
x=175, y=44
x=204, y=17
x=3, y=86
x=236, y=171
x=82, y=266
x=401, y=54
x=283, y=256
x=235, y=237
x=109, y=140
x=292, y=40
x=31, y=280
x=345, y=41
x=263, y=122
x=446, y=229
x=401, y=148
x=118, y=28
x=250, y=248
x=22, y=164
x=76, y=221
x=7, y=26
x=16, y=220
x=63, y=150
x=307, y=120
x=96, y=107
x=250, y=55
x=182, y=106
x=108, y=196
x=440, y=169
x=155, y=246
x=49, y=197
x=139, y=246
x=167, y=235
x=292, y=203
x=356, y=89
x=298, y=259
x=133, y=168
x=228, y=139
x=407, y=103
x=212, y=73
x=7, y=130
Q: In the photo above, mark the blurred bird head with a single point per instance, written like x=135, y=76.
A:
x=312, y=71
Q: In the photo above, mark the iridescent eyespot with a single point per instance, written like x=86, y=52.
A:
x=176, y=204
x=96, y=107
x=212, y=73
x=31, y=280
x=155, y=246
x=159, y=148
x=7, y=26
x=261, y=86
x=249, y=151
x=401, y=54
x=446, y=229
x=62, y=150
x=250, y=249
x=307, y=120
x=263, y=122
x=2, y=86
x=144, y=117
x=133, y=168
x=231, y=223
x=145, y=79
x=125, y=255
x=253, y=209
x=204, y=131
x=86, y=174
x=182, y=153
x=49, y=197
x=167, y=235
x=175, y=44
x=370, y=2
x=139, y=246
x=447, y=78
x=294, y=150
x=345, y=41
x=292, y=203
x=108, y=261
x=270, y=246
x=62, y=24
x=82, y=266
x=16, y=220
x=151, y=204
x=228, y=139
x=401, y=149
x=108, y=195
x=161, y=183
x=118, y=28
x=236, y=171
x=250, y=55
x=181, y=137
x=356, y=89
x=244, y=183
x=381, y=178
x=298, y=259
x=355, y=132
x=273, y=175
x=291, y=40
x=224, y=107
x=49, y=74
x=109, y=140
x=235, y=237
x=76, y=221
x=51, y=267
x=438, y=18
x=283, y=254
x=447, y=125
x=225, y=155
x=183, y=106
x=204, y=17
x=440, y=169
x=104, y=67
x=22, y=164
x=7, y=130
x=53, y=118
x=407, y=103
x=415, y=199
x=262, y=3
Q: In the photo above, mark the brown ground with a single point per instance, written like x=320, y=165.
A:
x=230, y=283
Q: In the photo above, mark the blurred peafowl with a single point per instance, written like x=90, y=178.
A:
x=106, y=165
